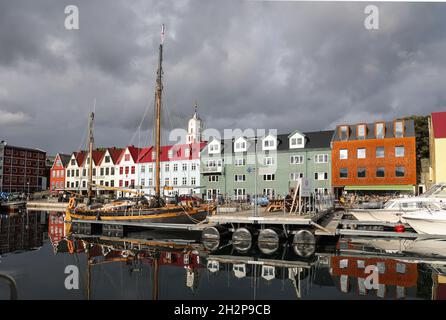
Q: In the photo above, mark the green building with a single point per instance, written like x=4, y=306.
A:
x=228, y=166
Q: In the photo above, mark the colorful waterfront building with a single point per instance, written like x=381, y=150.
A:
x=179, y=169
x=374, y=157
x=229, y=167
x=437, y=144
x=57, y=172
x=22, y=169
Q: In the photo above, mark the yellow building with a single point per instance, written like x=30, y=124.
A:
x=437, y=141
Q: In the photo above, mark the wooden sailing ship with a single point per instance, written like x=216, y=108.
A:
x=154, y=209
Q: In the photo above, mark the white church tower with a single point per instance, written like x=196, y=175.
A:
x=194, y=128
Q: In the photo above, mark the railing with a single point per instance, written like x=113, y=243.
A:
x=12, y=285
x=216, y=169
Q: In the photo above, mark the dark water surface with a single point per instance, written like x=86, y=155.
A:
x=35, y=252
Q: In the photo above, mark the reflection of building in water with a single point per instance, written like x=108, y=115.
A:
x=134, y=253
x=21, y=232
x=56, y=229
x=438, y=283
x=394, y=277
x=299, y=274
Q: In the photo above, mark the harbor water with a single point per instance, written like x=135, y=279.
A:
x=46, y=262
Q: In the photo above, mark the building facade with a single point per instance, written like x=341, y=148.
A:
x=58, y=172
x=179, y=169
x=437, y=141
x=22, y=169
x=229, y=167
x=377, y=157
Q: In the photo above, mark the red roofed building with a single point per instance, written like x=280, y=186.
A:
x=180, y=168
x=437, y=141
x=57, y=172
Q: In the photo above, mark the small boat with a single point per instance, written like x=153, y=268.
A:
x=392, y=211
x=144, y=208
x=432, y=222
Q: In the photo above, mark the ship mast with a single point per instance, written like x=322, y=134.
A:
x=158, y=93
x=90, y=158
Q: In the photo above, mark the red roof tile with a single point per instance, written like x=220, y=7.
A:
x=439, y=124
x=80, y=157
x=115, y=153
x=98, y=156
x=178, y=152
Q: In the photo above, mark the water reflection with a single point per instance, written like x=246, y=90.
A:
x=151, y=265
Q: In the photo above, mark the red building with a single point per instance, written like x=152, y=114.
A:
x=22, y=169
x=378, y=156
x=57, y=172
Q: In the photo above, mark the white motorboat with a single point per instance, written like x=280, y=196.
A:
x=432, y=199
x=431, y=222
x=394, y=209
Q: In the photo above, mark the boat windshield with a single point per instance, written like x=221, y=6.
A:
x=436, y=191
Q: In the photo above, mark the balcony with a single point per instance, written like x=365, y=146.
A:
x=212, y=169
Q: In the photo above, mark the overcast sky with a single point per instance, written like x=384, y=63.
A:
x=248, y=64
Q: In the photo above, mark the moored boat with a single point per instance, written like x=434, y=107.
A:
x=427, y=221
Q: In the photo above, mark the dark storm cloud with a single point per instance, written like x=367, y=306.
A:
x=279, y=65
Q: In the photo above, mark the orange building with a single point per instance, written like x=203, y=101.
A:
x=378, y=156
x=57, y=172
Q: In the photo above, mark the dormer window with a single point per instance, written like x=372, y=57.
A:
x=187, y=152
x=343, y=133
x=361, y=131
x=170, y=153
x=240, y=145
x=269, y=143
x=296, y=140
x=214, y=147
x=380, y=130
x=399, y=129
x=153, y=154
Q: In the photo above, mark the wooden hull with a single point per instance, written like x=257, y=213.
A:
x=167, y=215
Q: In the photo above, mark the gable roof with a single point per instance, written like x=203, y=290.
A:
x=439, y=124
x=64, y=158
x=80, y=157
x=97, y=156
x=179, y=153
x=115, y=153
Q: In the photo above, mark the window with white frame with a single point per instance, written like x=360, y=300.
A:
x=240, y=178
x=214, y=147
x=154, y=155
x=184, y=166
x=239, y=162
x=175, y=167
x=399, y=151
x=184, y=181
x=193, y=181
x=170, y=153
x=143, y=168
x=187, y=152
x=268, y=161
x=296, y=142
x=213, y=178
x=294, y=176
x=193, y=166
x=240, y=145
x=166, y=181
x=166, y=167
x=175, y=181
x=320, y=176
x=361, y=153
x=361, y=130
x=343, y=154
x=321, y=158
x=239, y=193
x=269, y=177
x=296, y=159
x=399, y=128
x=269, y=143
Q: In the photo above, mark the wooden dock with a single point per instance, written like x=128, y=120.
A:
x=46, y=206
x=279, y=218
